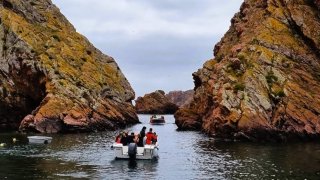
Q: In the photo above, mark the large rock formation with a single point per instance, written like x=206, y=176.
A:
x=155, y=103
x=264, y=82
x=53, y=78
x=180, y=98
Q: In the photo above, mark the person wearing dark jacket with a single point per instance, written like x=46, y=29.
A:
x=140, y=141
x=142, y=135
x=130, y=138
x=123, y=140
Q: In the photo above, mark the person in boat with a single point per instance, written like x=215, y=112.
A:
x=136, y=138
x=118, y=138
x=149, y=136
x=145, y=140
x=155, y=138
x=124, y=139
x=132, y=146
x=140, y=141
x=141, y=137
x=130, y=138
x=143, y=132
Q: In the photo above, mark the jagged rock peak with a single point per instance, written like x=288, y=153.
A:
x=263, y=82
x=180, y=98
x=155, y=103
x=54, y=78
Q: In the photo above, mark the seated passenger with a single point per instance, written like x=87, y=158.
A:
x=136, y=138
x=140, y=141
x=155, y=138
x=149, y=136
x=130, y=138
x=124, y=139
x=118, y=138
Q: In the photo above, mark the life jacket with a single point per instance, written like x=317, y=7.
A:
x=150, y=137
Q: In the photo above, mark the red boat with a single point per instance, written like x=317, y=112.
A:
x=157, y=120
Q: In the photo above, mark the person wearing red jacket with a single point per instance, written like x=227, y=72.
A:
x=150, y=136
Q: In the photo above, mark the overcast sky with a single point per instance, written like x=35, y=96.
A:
x=158, y=44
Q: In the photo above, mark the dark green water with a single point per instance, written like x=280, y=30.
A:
x=183, y=155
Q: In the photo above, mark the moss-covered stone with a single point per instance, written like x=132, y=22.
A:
x=64, y=72
x=277, y=45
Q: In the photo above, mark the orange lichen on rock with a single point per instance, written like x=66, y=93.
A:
x=270, y=58
x=55, y=72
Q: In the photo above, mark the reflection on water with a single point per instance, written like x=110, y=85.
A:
x=183, y=155
x=267, y=161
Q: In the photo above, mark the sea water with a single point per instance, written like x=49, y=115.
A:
x=183, y=155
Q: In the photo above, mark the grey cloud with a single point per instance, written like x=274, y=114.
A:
x=158, y=58
x=158, y=44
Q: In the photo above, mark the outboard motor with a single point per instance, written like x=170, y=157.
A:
x=132, y=151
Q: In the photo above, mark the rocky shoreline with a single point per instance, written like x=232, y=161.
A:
x=155, y=103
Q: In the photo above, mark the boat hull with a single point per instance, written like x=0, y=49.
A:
x=147, y=152
x=39, y=139
x=157, y=121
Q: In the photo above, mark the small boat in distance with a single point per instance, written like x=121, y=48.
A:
x=39, y=139
x=157, y=120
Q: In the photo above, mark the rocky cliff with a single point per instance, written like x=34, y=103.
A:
x=264, y=82
x=155, y=103
x=180, y=98
x=52, y=79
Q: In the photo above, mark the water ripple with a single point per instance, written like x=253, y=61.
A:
x=183, y=155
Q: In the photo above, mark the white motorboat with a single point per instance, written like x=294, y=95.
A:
x=147, y=152
x=39, y=139
x=157, y=120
